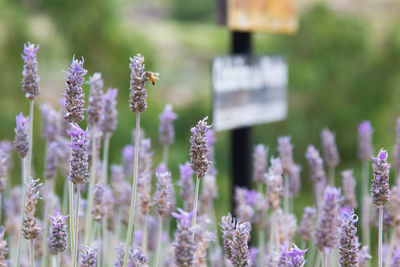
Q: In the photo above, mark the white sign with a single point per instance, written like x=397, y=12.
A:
x=248, y=90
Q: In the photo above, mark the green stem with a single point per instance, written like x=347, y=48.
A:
x=157, y=256
x=100, y=251
x=105, y=245
x=88, y=216
x=331, y=175
x=365, y=220
x=32, y=253
x=196, y=200
x=165, y=155
x=272, y=233
x=46, y=224
x=324, y=260
x=134, y=188
x=144, y=238
x=78, y=193
x=65, y=197
x=71, y=220
x=29, y=167
x=261, y=248
x=105, y=157
x=393, y=241
x=380, y=236
x=24, y=162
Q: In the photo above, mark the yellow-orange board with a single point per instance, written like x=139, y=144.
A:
x=275, y=16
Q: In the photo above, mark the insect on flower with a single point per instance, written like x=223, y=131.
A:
x=153, y=77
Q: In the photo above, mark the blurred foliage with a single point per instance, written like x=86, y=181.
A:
x=192, y=10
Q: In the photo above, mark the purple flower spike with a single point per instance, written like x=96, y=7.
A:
x=199, y=148
x=58, y=236
x=186, y=184
x=30, y=79
x=184, y=245
x=274, y=184
x=240, y=249
x=95, y=99
x=331, y=154
x=79, y=167
x=292, y=258
x=109, y=115
x=21, y=142
x=326, y=228
x=259, y=163
x=139, y=77
x=166, y=128
x=74, y=98
x=380, y=183
x=50, y=120
x=307, y=223
x=163, y=197
x=365, y=148
x=348, y=241
x=285, y=149
x=316, y=165
x=349, y=194
x=128, y=155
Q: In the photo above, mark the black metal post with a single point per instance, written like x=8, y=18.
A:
x=241, y=137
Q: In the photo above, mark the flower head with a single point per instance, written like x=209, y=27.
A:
x=21, y=142
x=184, y=245
x=58, y=236
x=285, y=149
x=166, y=128
x=365, y=148
x=89, y=255
x=95, y=101
x=259, y=163
x=317, y=172
x=30, y=225
x=74, y=98
x=52, y=158
x=30, y=77
x=348, y=241
x=331, y=154
x=50, y=123
x=108, y=121
x=163, y=195
x=274, y=184
x=199, y=148
x=349, y=194
x=186, y=185
x=293, y=257
x=79, y=167
x=307, y=223
x=239, y=246
x=380, y=183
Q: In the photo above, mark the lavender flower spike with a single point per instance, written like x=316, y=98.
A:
x=199, y=148
x=259, y=163
x=30, y=80
x=240, y=250
x=21, y=142
x=95, y=99
x=326, y=228
x=52, y=159
x=307, y=223
x=186, y=185
x=50, y=120
x=79, y=169
x=163, y=195
x=380, y=183
x=274, y=184
x=99, y=208
x=292, y=258
x=349, y=194
x=58, y=236
x=74, y=98
x=365, y=148
x=138, y=258
x=285, y=149
x=139, y=77
x=30, y=227
x=89, y=256
x=331, y=154
x=348, y=241
x=316, y=165
x=109, y=114
x=227, y=227
x=166, y=129
x=184, y=245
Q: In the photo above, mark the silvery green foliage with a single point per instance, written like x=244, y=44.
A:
x=380, y=183
x=329, y=148
x=348, y=241
x=199, y=148
x=30, y=77
x=74, y=98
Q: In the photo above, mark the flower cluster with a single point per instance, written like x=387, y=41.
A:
x=58, y=236
x=199, y=148
x=79, y=168
x=30, y=77
x=380, y=183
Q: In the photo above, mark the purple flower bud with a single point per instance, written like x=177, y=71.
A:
x=349, y=194
x=184, y=245
x=292, y=258
x=108, y=122
x=365, y=148
x=274, y=184
x=163, y=197
x=52, y=157
x=79, y=167
x=348, y=241
x=380, y=183
x=285, y=149
x=58, y=236
x=74, y=98
x=331, y=154
x=95, y=101
x=30, y=225
x=186, y=185
x=139, y=77
x=317, y=172
x=50, y=121
x=307, y=223
x=199, y=148
x=21, y=142
x=88, y=255
x=259, y=163
x=166, y=129
x=326, y=228
x=30, y=77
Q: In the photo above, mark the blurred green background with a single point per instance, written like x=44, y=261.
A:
x=343, y=65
